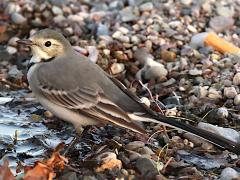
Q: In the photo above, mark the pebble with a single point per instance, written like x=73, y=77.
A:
x=221, y=23
x=229, y=174
x=117, y=68
x=230, y=92
x=57, y=10
x=236, y=79
x=168, y=55
x=158, y=72
x=123, y=30
x=146, y=101
x=186, y=2
x=14, y=72
x=214, y=94
x=145, y=150
x=135, y=145
x=147, y=168
x=237, y=99
x=148, y=6
x=12, y=7
x=198, y=40
x=222, y=112
x=109, y=161
x=11, y=50
x=127, y=14
x=134, y=156
x=227, y=11
x=195, y=72
x=18, y=18
x=102, y=30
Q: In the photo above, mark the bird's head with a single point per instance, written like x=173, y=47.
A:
x=46, y=44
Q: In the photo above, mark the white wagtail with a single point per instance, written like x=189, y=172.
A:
x=79, y=91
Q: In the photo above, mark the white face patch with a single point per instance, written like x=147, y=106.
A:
x=38, y=54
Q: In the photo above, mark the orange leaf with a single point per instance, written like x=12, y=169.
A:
x=5, y=172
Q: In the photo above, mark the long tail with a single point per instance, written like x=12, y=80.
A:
x=218, y=140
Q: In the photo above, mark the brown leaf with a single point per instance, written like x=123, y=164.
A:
x=5, y=172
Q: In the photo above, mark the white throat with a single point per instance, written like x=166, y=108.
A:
x=38, y=55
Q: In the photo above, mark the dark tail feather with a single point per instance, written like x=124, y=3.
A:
x=218, y=140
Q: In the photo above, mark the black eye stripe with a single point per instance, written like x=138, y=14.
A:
x=48, y=44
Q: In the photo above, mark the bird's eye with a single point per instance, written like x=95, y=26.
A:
x=48, y=44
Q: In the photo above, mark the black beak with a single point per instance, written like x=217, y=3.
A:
x=25, y=42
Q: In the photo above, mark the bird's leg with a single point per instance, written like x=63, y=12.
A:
x=80, y=132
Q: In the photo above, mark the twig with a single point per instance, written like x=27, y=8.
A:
x=4, y=81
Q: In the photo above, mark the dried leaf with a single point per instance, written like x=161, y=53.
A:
x=5, y=172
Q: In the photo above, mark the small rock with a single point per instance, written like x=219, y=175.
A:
x=237, y=100
x=186, y=2
x=127, y=14
x=11, y=50
x=236, y=79
x=147, y=168
x=135, y=39
x=148, y=6
x=214, y=94
x=120, y=55
x=202, y=92
x=156, y=73
x=168, y=55
x=109, y=161
x=230, y=92
x=222, y=112
x=18, y=18
x=221, y=23
x=198, y=40
x=192, y=29
x=102, y=30
x=13, y=41
x=145, y=150
x=92, y=53
x=195, y=72
x=70, y=176
x=15, y=73
x=229, y=174
x=146, y=101
x=57, y=10
x=123, y=30
x=142, y=56
x=227, y=11
x=135, y=145
x=133, y=156
x=12, y=7
x=117, y=68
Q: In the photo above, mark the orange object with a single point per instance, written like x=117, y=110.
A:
x=220, y=44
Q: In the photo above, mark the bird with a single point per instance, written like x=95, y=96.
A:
x=79, y=91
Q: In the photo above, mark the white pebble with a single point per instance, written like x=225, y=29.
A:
x=123, y=30
x=13, y=41
x=198, y=40
x=117, y=68
x=146, y=101
x=236, y=79
x=237, y=100
x=230, y=92
x=18, y=18
x=57, y=10
x=11, y=50
x=229, y=174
